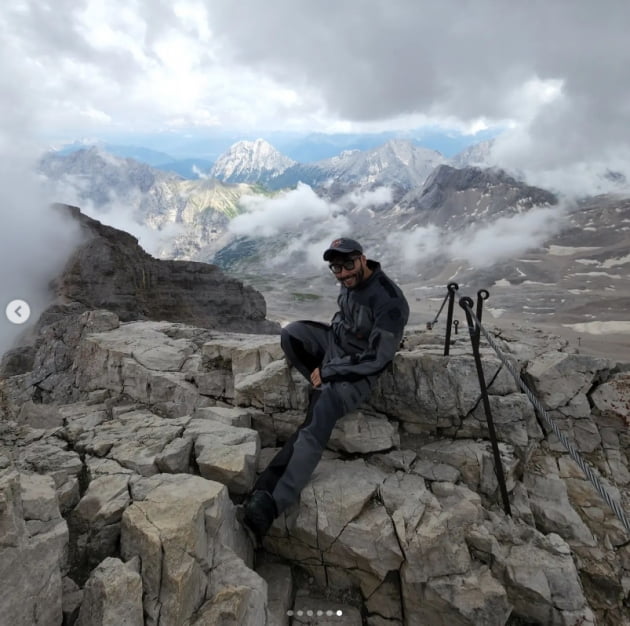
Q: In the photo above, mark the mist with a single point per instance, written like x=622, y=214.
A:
x=36, y=242
x=481, y=246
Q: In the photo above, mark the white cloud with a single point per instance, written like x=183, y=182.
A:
x=362, y=199
x=269, y=216
x=507, y=237
x=483, y=246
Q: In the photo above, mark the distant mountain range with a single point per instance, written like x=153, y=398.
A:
x=411, y=207
x=259, y=161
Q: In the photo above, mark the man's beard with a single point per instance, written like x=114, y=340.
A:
x=358, y=276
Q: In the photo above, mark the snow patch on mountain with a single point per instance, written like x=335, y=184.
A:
x=250, y=162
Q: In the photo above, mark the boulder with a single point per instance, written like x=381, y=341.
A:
x=33, y=549
x=180, y=526
x=112, y=596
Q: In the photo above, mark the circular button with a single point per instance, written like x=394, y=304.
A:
x=18, y=311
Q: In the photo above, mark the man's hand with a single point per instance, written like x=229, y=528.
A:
x=316, y=377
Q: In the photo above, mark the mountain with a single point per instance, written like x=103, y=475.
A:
x=250, y=162
x=186, y=168
x=138, y=153
x=477, y=155
x=397, y=163
x=199, y=209
x=455, y=198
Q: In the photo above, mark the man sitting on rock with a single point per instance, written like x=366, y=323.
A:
x=341, y=360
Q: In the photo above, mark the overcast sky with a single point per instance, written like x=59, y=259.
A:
x=556, y=72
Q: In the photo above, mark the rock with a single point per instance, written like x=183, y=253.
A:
x=71, y=600
x=146, y=359
x=429, y=391
x=236, y=595
x=361, y=432
x=473, y=598
x=33, y=550
x=110, y=270
x=136, y=440
x=557, y=377
x=96, y=519
x=280, y=591
x=17, y=361
x=612, y=398
x=112, y=596
x=474, y=461
x=406, y=527
x=51, y=457
x=225, y=453
x=551, y=507
x=179, y=526
x=544, y=586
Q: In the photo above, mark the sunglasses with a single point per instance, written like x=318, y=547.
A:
x=335, y=268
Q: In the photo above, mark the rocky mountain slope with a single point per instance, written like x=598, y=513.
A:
x=397, y=163
x=250, y=162
x=199, y=209
x=119, y=486
x=109, y=269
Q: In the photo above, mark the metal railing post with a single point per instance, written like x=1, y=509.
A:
x=475, y=333
x=452, y=288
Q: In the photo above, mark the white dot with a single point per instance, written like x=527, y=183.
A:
x=329, y=613
x=320, y=613
x=340, y=613
x=289, y=613
x=300, y=613
x=309, y=613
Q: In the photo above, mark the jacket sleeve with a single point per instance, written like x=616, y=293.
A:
x=389, y=323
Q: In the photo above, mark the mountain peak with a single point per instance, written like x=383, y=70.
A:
x=250, y=161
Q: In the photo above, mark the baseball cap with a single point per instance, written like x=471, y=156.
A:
x=343, y=245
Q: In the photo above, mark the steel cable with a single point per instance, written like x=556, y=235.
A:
x=584, y=466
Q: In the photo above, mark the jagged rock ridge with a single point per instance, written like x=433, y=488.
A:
x=128, y=474
x=398, y=163
x=110, y=270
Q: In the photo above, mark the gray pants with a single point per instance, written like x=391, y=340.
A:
x=307, y=346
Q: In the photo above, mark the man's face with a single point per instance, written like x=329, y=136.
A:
x=349, y=269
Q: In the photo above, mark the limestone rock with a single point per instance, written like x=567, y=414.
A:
x=612, y=398
x=558, y=377
x=280, y=591
x=135, y=440
x=179, y=526
x=33, y=550
x=112, y=596
x=110, y=270
x=363, y=433
x=225, y=453
x=96, y=519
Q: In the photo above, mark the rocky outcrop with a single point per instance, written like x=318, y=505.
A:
x=121, y=471
x=111, y=271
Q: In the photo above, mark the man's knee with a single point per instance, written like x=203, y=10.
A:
x=328, y=409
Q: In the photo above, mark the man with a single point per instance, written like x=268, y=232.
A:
x=342, y=361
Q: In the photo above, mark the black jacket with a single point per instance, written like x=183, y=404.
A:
x=367, y=329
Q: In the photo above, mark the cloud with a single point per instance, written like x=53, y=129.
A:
x=554, y=71
x=269, y=216
x=483, y=246
x=507, y=237
x=556, y=74
x=362, y=199
x=35, y=243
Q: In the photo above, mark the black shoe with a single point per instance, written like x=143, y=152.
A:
x=258, y=514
